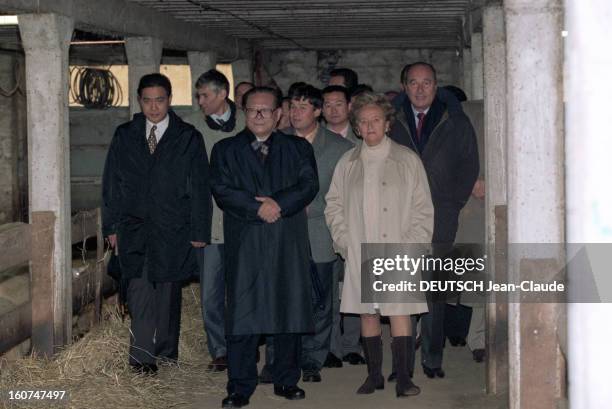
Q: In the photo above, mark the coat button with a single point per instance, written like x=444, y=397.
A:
x=384, y=183
x=384, y=235
x=384, y=209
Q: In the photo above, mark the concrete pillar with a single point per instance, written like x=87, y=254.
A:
x=242, y=70
x=589, y=200
x=467, y=72
x=477, y=67
x=144, y=57
x=535, y=194
x=199, y=63
x=494, y=80
x=46, y=39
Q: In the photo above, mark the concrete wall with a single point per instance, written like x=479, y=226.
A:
x=13, y=148
x=472, y=217
x=378, y=68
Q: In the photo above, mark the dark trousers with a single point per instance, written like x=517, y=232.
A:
x=242, y=365
x=155, y=311
x=432, y=323
x=315, y=346
x=346, y=328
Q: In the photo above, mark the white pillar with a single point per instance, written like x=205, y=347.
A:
x=494, y=73
x=144, y=57
x=477, y=67
x=535, y=189
x=199, y=63
x=588, y=63
x=46, y=40
x=467, y=72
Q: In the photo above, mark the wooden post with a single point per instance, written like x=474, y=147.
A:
x=41, y=287
x=496, y=220
x=497, y=318
x=99, y=266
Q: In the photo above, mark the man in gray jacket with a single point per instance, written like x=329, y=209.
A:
x=218, y=119
x=306, y=103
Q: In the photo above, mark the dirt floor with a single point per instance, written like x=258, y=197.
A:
x=95, y=374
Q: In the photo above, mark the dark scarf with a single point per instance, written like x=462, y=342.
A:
x=229, y=125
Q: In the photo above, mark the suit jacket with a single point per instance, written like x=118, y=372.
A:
x=157, y=204
x=328, y=148
x=266, y=264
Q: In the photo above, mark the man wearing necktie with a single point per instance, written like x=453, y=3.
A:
x=217, y=119
x=156, y=211
x=263, y=180
x=431, y=122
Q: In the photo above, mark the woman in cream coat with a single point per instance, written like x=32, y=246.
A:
x=379, y=194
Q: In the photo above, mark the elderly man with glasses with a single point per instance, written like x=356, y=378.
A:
x=263, y=180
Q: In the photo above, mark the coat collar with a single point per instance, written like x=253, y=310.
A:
x=139, y=125
x=394, y=152
x=320, y=140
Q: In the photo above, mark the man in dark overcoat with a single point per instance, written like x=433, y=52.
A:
x=157, y=207
x=434, y=126
x=263, y=180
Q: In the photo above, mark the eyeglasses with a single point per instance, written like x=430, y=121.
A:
x=265, y=113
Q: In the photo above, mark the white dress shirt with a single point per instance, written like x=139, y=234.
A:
x=161, y=128
x=415, y=113
x=225, y=117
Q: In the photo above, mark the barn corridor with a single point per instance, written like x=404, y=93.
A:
x=518, y=185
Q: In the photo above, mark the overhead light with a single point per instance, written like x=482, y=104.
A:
x=8, y=21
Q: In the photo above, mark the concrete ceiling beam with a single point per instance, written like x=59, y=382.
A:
x=125, y=18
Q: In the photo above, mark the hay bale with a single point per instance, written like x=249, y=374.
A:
x=95, y=371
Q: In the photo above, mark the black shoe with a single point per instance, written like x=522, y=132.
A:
x=332, y=361
x=145, y=369
x=265, y=376
x=219, y=364
x=457, y=341
x=289, y=392
x=479, y=355
x=410, y=390
x=311, y=375
x=235, y=400
x=354, y=359
x=433, y=372
x=165, y=361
